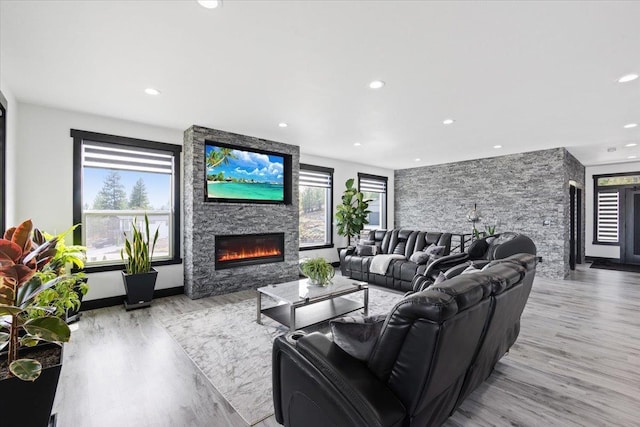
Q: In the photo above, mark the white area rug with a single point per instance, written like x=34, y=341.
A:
x=234, y=352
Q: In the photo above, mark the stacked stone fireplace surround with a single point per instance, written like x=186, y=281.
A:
x=204, y=220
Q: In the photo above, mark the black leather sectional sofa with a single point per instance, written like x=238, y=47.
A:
x=400, y=272
x=436, y=346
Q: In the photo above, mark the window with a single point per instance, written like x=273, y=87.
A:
x=117, y=179
x=607, y=216
x=316, y=207
x=3, y=162
x=375, y=188
x=606, y=201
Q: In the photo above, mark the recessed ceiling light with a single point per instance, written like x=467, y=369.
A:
x=447, y=121
x=631, y=157
x=627, y=78
x=151, y=91
x=631, y=144
x=356, y=144
x=376, y=84
x=417, y=159
x=630, y=125
x=497, y=146
x=210, y=4
x=283, y=124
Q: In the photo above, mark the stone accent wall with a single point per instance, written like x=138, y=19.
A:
x=203, y=220
x=518, y=192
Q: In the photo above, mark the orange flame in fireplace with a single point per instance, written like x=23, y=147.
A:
x=253, y=253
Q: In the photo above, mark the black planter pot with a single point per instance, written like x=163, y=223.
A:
x=26, y=403
x=139, y=288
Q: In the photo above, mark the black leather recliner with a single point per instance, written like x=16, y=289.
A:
x=480, y=253
x=401, y=271
x=435, y=348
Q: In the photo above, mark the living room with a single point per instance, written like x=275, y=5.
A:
x=501, y=108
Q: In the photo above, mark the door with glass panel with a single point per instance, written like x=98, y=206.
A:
x=630, y=249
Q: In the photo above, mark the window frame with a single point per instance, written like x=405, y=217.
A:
x=79, y=136
x=329, y=213
x=611, y=188
x=384, y=212
x=3, y=162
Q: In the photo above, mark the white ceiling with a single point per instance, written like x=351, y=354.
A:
x=524, y=75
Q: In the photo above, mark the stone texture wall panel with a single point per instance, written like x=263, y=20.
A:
x=204, y=220
x=517, y=192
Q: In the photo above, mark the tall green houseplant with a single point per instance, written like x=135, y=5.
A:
x=139, y=278
x=351, y=215
x=139, y=249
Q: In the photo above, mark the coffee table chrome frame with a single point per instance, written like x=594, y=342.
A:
x=308, y=301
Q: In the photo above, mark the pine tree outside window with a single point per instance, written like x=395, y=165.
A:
x=117, y=179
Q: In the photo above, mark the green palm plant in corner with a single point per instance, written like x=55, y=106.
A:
x=351, y=215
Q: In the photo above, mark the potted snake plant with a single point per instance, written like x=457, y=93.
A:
x=138, y=277
x=31, y=336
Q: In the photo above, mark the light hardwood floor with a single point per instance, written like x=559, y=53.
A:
x=576, y=363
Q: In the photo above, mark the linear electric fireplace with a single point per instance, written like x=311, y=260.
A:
x=249, y=249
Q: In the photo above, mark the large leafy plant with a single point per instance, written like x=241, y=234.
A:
x=351, y=215
x=65, y=295
x=139, y=250
x=20, y=259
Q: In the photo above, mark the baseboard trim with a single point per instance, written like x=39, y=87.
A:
x=597, y=258
x=118, y=300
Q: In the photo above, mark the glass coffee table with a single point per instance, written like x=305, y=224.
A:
x=302, y=304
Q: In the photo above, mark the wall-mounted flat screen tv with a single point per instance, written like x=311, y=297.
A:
x=246, y=175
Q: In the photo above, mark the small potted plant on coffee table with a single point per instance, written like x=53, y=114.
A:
x=318, y=270
x=139, y=278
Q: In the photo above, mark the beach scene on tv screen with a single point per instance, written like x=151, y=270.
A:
x=239, y=174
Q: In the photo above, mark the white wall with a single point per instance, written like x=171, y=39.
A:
x=39, y=141
x=342, y=171
x=601, y=251
x=11, y=147
x=44, y=155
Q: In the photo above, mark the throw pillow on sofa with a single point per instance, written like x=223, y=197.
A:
x=420, y=257
x=434, y=250
x=357, y=336
x=366, y=250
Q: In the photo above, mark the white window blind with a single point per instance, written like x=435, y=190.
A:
x=109, y=157
x=607, y=229
x=373, y=185
x=310, y=178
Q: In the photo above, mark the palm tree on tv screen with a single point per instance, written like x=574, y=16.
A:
x=222, y=156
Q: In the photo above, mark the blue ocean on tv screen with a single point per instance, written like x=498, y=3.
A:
x=238, y=190
x=239, y=174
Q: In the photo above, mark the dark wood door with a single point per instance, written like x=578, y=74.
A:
x=631, y=247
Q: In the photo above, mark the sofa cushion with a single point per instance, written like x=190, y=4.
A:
x=471, y=269
x=366, y=250
x=478, y=248
x=441, y=278
x=420, y=257
x=357, y=336
x=399, y=249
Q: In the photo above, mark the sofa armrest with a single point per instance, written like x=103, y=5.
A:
x=342, y=390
